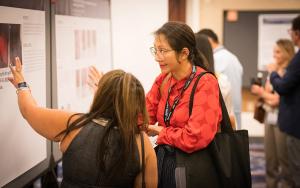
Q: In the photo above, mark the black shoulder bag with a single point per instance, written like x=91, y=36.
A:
x=225, y=162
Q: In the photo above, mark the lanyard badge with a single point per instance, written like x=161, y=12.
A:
x=168, y=109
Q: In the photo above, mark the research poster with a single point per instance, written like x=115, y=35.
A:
x=81, y=42
x=271, y=28
x=22, y=34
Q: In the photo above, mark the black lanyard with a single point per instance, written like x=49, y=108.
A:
x=169, y=112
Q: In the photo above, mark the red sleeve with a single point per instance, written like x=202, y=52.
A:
x=202, y=125
x=153, y=98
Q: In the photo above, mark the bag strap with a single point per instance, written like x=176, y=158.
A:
x=225, y=123
x=143, y=160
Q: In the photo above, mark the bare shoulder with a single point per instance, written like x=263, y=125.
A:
x=64, y=144
x=147, y=145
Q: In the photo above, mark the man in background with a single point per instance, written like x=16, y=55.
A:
x=227, y=63
x=288, y=88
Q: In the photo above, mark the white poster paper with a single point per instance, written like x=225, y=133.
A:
x=22, y=33
x=271, y=28
x=80, y=43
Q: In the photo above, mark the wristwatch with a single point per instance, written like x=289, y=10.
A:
x=22, y=86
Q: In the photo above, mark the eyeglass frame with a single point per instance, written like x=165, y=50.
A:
x=160, y=51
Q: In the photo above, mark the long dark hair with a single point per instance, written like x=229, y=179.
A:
x=206, y=50
x=120, y=98
x=179, y=36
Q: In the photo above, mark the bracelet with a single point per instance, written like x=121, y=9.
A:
x=22, y=89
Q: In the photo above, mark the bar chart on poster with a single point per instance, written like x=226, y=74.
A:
x=22, y=34
x=83, y=39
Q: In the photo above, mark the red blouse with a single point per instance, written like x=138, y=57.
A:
x=188, y=133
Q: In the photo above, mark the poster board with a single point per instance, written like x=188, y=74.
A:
x=271, y=27
x=88, y=20
x=23, y=34
x=82, y=39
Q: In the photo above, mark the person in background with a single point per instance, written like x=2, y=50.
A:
x=204, y=46
x=227, y=63
x=168, y=99
x=277, y=171
x=104, y=146
x=288, y=87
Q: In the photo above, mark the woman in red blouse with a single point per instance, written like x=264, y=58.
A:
x=168, y=100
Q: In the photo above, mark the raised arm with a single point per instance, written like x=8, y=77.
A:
x=47, y=122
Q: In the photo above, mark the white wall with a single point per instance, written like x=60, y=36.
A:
x=193, y=14
x=133, y=22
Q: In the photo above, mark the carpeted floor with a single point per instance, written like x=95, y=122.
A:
x=257, y=160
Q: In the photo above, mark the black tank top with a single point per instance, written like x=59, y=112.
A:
x=80, y=168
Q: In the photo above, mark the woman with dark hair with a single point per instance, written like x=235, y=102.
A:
x=203, y=45
x=104, y=147
x=168, y=100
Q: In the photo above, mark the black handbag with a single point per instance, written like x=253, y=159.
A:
x=225, y=162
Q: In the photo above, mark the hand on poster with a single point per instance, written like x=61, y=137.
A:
x=16, y=72
x=94, y=77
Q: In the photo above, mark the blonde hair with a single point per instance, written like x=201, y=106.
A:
x=287, y=47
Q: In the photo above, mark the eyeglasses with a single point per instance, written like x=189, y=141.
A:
x=159, y=52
